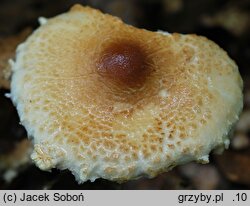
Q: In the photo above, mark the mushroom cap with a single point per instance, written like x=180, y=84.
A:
x=108, y=100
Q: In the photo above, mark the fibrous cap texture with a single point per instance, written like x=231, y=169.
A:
x=105, y=99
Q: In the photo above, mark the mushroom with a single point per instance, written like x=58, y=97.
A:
x=108, y=100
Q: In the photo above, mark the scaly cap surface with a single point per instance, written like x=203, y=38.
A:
x=105, y=99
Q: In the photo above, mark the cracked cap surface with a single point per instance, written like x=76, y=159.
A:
x=108, y=100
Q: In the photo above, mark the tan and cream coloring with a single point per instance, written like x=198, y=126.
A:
x=108, y=100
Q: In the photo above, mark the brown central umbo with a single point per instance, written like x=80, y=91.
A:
x=123, y=62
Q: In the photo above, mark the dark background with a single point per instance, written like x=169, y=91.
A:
x=227, y=22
